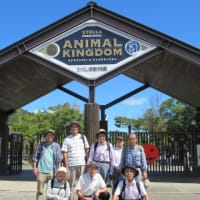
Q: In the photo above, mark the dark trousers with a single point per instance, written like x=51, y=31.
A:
x=102, y=196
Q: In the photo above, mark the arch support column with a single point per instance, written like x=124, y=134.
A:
x=91, y=121
x=4, y=136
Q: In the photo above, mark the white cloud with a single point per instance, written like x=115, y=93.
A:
x=134, y=102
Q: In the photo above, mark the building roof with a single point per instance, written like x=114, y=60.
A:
x=173, y=67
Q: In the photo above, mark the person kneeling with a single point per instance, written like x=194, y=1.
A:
x=91, y=185
x=130, y=187
x=58, y=188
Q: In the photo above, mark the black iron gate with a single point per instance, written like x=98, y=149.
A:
x=177, y=152
x=15, y=146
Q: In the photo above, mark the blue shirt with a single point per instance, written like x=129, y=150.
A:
x=46, y=162
x=40, y=151
x=134, y=156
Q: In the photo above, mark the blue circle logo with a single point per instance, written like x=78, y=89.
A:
x=132, y=47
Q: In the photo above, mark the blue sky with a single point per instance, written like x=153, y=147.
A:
x=176, y=18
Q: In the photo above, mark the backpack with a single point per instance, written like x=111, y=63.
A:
x=52, y=183
x=121, y=196
x=83, y=138
x=52, y=186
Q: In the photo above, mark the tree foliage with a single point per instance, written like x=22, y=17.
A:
x=170, y=115
x=55, y=117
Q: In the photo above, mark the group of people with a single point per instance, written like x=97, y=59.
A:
x=77, y=171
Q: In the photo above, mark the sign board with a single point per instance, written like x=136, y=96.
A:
x=92, y=49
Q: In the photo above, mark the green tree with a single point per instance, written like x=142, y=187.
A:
x=177, y=115
x=124, y=122
x=170, y=115
x=55, y=117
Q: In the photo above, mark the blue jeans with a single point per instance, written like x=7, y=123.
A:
x=103, y=169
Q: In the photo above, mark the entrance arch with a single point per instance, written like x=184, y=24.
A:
x=169, y=65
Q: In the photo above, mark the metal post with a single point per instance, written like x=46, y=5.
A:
x=129, y=128
x=194, y=150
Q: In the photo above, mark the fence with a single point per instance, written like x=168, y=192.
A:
x=15, y=145
x=177, y=151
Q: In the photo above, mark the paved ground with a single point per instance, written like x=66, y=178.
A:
x=22, y=187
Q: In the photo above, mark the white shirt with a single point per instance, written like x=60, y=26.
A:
x=74, y=146
x=117, y=154
x=131, y=191
x=89, y=185
x=57, y=190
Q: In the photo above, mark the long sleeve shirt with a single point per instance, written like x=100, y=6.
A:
x=102, y=153
x=41, y=149
x=134, y=156
x=118, y=153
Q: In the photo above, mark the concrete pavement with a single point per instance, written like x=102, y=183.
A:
x=23, y=187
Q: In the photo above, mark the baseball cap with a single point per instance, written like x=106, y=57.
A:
x=119, y=138
x=93, y=164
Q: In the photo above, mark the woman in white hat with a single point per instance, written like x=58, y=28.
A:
x=58, y=188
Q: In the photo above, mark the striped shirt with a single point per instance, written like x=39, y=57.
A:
x=74, y=147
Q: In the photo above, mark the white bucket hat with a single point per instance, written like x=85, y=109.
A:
x=62, y=169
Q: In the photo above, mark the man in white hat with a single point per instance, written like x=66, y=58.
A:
x=102, y=152
x=91, y=185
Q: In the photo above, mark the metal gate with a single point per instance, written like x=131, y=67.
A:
x=177, y=152
x=15, y=146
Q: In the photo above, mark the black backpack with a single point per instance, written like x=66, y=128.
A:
x=52, y=183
